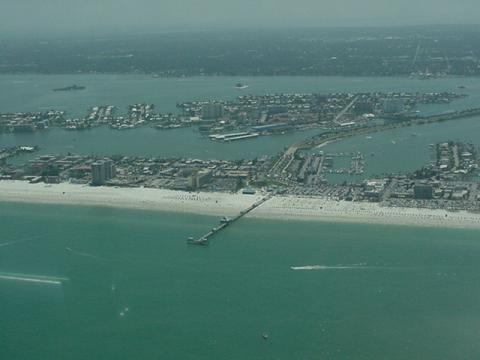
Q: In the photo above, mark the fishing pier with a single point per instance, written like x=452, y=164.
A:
x=225, y=222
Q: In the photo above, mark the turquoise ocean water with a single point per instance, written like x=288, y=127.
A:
x=133, y=289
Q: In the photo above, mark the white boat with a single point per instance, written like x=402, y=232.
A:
x=240, y=86
x=308, y=267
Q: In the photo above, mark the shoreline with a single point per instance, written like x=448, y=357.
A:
x=156, y=75
x=223, y=204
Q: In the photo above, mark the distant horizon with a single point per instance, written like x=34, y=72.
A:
x=107, y=16
x=216, y=29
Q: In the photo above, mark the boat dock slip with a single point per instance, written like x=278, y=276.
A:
x=203, y=240
x=234, y=136
x=242, y=137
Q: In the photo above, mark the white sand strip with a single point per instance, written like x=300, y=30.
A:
x=221, y=204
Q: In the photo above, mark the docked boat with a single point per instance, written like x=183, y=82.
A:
x=71, y=88
x=240, y=86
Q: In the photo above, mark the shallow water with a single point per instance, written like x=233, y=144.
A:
x=131, y=288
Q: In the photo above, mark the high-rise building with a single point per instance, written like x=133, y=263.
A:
x=110, y=171
x=423, y=191
x=98, y=173
x=102, y=171
x=200, y=178
x=204, y=177
x=212, y=111
x=393, y=106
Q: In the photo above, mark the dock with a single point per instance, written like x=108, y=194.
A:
x=234, y=136
x=203, y=240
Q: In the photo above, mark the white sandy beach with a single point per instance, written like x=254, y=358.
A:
x=221, y=204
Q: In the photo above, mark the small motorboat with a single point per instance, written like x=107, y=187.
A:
x=240, y=86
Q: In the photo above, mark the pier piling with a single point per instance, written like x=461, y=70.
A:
x=203, y=240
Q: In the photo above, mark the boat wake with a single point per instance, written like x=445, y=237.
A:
x=326, y=267
x=84, y=254
x=39, y=279
x=9, y=243
x=14, y=242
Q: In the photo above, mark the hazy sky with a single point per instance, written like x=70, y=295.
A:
x=108, y=15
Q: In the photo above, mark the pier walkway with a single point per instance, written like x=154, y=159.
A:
x=203, y=240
